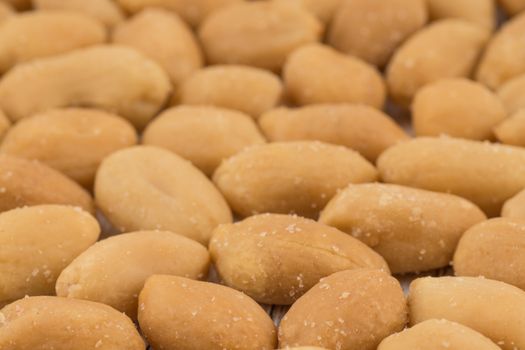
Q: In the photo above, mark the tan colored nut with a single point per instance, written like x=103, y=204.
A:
x=189, y=132
x=416, y=63
x=457, y=107
x=36, y=244
x=494, y=309
x=414, y=230
x=319, y=74
x=438, y=335
x=113, y=78
x=512, y=7
x=482, y=12
x=113, y=271
x=512, y=130
x=305, y=348
x=19, y=4
x=164, y=37
x=5, y=125
x=246, y=89
x=72, y=140
x=351, y=310
x=147, y=188
x=362, y=128
x=289, y=177
x=484, y=173
x=211, y=316
x=373, y=29
x=39, y=323
x=324, y=10
x=515, y=207
x=260, y=33
x=276, y=258
x=511, y=93
x=6, y=11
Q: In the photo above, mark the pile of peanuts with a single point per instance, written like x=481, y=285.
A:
x=171, y=170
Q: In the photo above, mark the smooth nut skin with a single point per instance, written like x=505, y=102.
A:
x=113, y=78
x=71, y=140
x=373, y=29
x=511, y=94
x=6, y=11
x=415, y=63
x=457, y=107
x=36, y=244
x=438, y=335
x=246, y=89
x=113, y=271
x=361, y=128
x=289, y=177
x=179, y=313
x=276, y=258
x=512, y=130
x=190, y=130
x=319, y=74
x=512, y=7
x=484, y=173
x=40, y=323
x=494, y=309
x=324, y=10
x=515, y=207
x=351, y=310
x=260, y=34
x=5, y=125
x=164, y=37
x=147, y=188
x=481, y=12
x=414, y=230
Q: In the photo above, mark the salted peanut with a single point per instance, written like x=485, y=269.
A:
x=494, y=309
x=324, y=10
x=5, y=124
x=19, y=4
x=438, y=335
x=486, y=174
x=362, y=128
x=6, y=11
x=113, y=78
x=71, y=140
x=512, y=7
x=414, y=230
x=319, y=74
x=36, y=244
x=352, y=310
x=481, y=12
x=165, y=38
x=373, y=29
x=145, y=187
x=246, y=89
x=211, y=316
x=289, y=177
x=457, y=107
x=260, y=34
x=190, y=130
x=40, y=323
x=511, y=94
x=113, y=271
x=512, y=130
x=416, y=63
x=515, y=207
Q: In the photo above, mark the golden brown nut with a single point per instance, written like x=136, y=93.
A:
x=511, y=94
x=211, y=316
x=512, y=130
x=5, y=125
x=36, y=244
x=319, y=74
x=145, y=188
x=40, y=323
x=72, y=140
x=289, y=177
x=373, y=29
x=515, y=207
x=324, y=10
x=6, y=11
x=482, y=12
x=19, y=4
x=457, y=107
x=512, y=7
x=259, y=34
x=351, y=310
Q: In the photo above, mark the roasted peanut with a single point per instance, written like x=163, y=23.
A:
x=6, y=11
x=512, y=7
x=512, y=130
x=511, y=93
x=5, y=124
x=19, y=4
x=515, y=207
x=482, y=12
x=324, y=10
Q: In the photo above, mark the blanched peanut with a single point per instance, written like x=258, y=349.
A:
x=512, y=7
x=486, y=174
x=416, y=63
x=511, y=93
x=352, y=310
x=289, y=177
x=512, y=130
x=494, y=309
x=125, y=262
x=5, y=124
x=482, y=12
x=362, y=128
x=6, y=11
x=146, y=188
x=515, y=207
x=114, y=78
x=211, y=316
x=246, y=89
x=457, y=107
x=324, y=10
x=164, y=37
x=373, y=29
x=189, y=132
x=72, y=140
x=414, y=230
x=36, y=243
x=40, y=323
x=259, y=33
